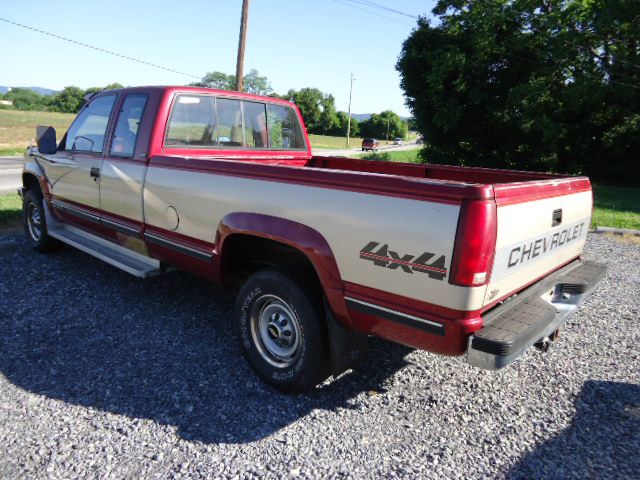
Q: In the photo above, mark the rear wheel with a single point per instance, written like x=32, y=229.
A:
x=35, y=223
x=282, y=331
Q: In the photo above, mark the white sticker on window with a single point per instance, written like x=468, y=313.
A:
x=188, y=100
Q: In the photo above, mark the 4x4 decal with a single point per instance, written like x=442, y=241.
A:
x=383, y=257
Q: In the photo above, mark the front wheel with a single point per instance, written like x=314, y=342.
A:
x=282, y=330
x=35, y=223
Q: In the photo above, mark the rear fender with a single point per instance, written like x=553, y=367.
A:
x=301, y=237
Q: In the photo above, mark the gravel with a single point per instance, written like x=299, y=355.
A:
x=103, y=375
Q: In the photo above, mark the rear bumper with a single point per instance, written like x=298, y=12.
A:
x=533, y=315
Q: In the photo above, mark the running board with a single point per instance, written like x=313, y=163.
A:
x=120, y=257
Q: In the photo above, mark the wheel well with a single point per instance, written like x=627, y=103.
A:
x=30, y=181
x=244, y=255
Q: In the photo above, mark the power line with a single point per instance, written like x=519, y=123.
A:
x=383, y=7
x=82, y=44
x=371, y=13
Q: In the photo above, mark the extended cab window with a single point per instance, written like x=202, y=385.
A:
x=88, y=130
x=193, y=121
x=230, y=122
x=284, y=129
x=126, y=131
x=255, y=124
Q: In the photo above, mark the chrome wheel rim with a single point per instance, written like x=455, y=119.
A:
x=276, y=331
x=34, y=222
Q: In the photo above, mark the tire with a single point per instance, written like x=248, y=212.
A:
x=35, y=223
x=280, y=321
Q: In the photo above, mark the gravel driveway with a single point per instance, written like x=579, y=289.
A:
x=105, y=375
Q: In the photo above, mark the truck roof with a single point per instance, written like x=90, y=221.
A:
x=195, y=90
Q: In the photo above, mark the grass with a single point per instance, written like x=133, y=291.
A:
x=18, y=128
x=10, y=209
x=334, y=143
x=407, y=156
x=617, y=207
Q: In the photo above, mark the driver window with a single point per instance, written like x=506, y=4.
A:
x=88, y=131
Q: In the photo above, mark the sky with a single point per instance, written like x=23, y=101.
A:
x=294, y=43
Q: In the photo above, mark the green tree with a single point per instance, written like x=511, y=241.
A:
x=218, y=80
x=309, y=101
x=385, y=125
x=551, y=85
x=253, y=82
x=341, y=128
x=26, y=99
x=256, y=84
x=69, y=100
x=328, y=115
x=318, y=110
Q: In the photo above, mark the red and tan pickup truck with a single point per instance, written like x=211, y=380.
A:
x=324, y=250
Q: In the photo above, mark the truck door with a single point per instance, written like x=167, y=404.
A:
x=123, y=170
x=73, y=172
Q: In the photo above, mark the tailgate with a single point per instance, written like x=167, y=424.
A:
x=541, y=227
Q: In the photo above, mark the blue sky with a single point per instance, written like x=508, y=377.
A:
x=295, y=43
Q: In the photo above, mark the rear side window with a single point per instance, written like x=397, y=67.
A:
x=207, y=121
x=230, y=127
x=255, y=124
x=126, y=131
x=193, y=121
x=88, y=130
x=284, y=128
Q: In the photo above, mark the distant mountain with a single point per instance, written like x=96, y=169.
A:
x=40, y=90
x=361, y=117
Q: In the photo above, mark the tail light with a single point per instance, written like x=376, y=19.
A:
x=475, y=244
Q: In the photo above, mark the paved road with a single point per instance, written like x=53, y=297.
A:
x=10, y=174
x=103, y=375
x=355, y=151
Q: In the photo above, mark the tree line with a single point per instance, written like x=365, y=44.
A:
x=68, y=100
x=549, y=85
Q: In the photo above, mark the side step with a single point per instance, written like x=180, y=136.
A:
x=120, y=257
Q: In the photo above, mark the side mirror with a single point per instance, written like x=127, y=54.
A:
x=46, y=140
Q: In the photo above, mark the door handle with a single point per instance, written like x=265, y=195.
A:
x=95, y=173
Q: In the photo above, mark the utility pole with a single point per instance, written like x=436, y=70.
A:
x=349, y=122
x=241, y=43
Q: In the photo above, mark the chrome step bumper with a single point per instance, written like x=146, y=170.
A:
x=533, y=316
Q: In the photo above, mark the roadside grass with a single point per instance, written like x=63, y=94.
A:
x=407, y=156
x=340, y=143
x=334, y=143
x=18, y=128
x=10, y=210
x=617, y=207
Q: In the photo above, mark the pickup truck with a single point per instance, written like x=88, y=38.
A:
x=323, y=251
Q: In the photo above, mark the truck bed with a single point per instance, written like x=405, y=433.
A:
x=444, y=183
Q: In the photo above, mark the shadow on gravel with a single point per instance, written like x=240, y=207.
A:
x=162, y=349
x=603, y=440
